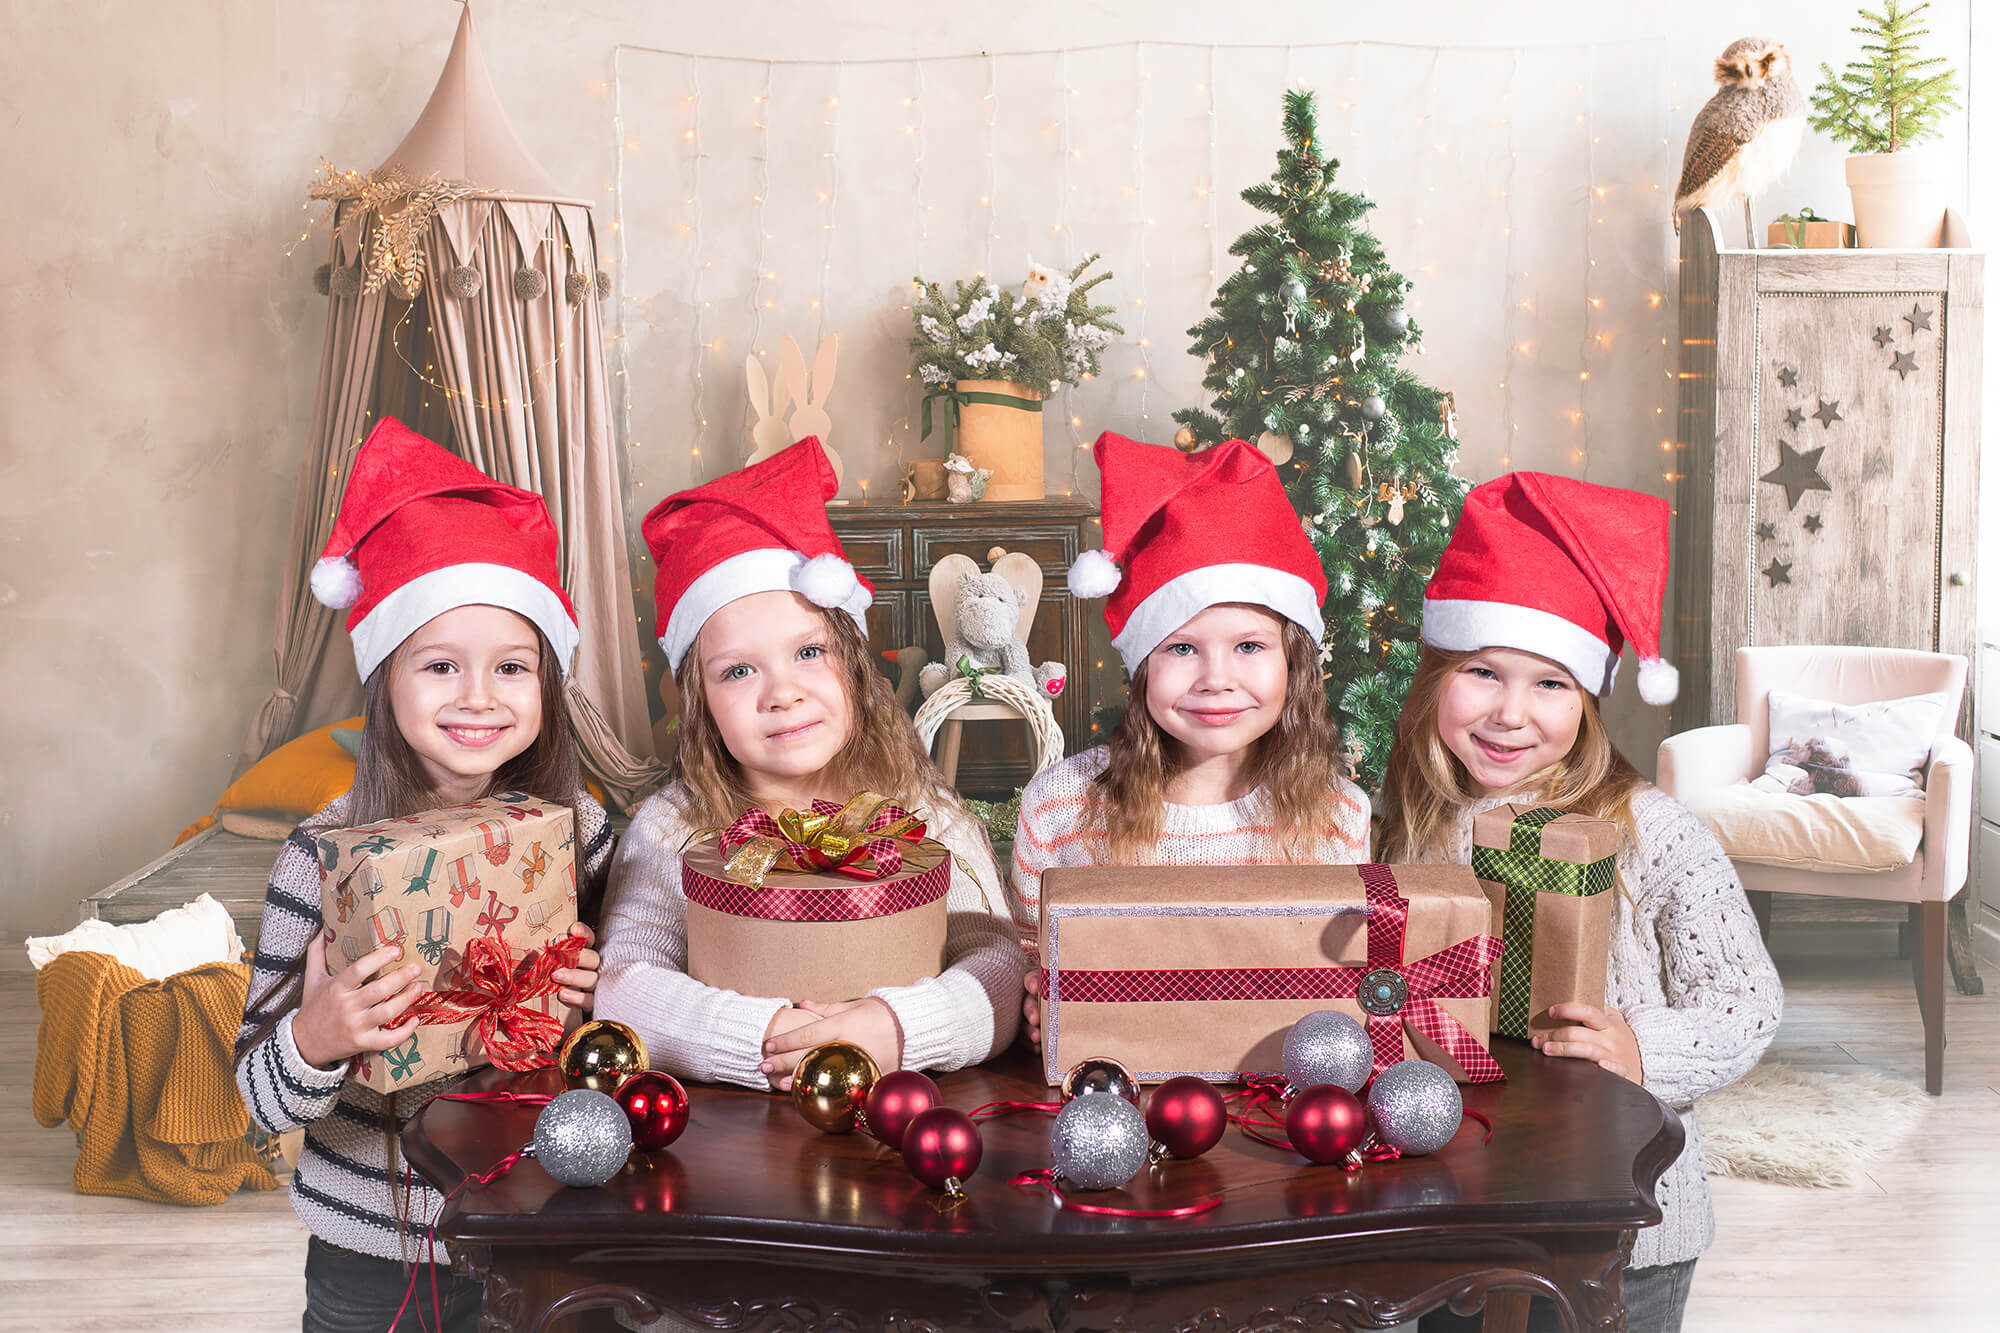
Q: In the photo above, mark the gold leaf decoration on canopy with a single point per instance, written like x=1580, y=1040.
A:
x=402, y=209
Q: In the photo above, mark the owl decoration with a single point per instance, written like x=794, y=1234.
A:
x=1747, y=134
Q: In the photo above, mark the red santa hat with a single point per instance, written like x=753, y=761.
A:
x=421, y=532
x=1184, y=532
x=762, y=528
x=1560, y=568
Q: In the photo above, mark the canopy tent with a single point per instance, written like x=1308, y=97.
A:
x=463, y=298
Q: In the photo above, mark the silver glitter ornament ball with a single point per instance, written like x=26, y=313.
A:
x=1099, y=1143
x=1328, y=1047
x=1372, y=407
x=582, y=1137
x=1415, y=1106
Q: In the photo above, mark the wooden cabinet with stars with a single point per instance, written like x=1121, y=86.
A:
x=1827, y=468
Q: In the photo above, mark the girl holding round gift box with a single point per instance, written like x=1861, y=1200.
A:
x=1227, y=753
x=1543, y=583
x=761, y=619
x=463, y=637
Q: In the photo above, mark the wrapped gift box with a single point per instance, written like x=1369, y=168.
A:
x=1203, y=969
x=1809, y=232
x=501, y=868
x=767, y=926
x=1548, y=875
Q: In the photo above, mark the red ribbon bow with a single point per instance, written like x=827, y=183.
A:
x=1463, y=971
x=494, y=990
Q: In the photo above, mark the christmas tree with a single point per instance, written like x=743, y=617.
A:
x=1304, y=353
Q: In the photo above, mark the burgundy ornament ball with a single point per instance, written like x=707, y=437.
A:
x=942, y=1148
x=1325, y=1123
x=896, y=1099
x=657, y=1106
x=1186, y=1116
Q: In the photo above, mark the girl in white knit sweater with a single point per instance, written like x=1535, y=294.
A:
x=761, y=618
x=1544, y=580
x=1227, y=754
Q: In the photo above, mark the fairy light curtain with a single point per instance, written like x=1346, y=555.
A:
x=498, y=353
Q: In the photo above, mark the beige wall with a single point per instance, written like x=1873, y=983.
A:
x=158, y=344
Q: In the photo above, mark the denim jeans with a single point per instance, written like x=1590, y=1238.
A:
x=348, y=1292
x=1654, y=1301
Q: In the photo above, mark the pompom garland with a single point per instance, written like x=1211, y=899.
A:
x=529, y=284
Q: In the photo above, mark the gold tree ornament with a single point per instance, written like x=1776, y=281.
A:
x=831, y=1084
x=602, y=1054
x=402, y=209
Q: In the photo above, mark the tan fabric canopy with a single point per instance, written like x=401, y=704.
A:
x=500, y=357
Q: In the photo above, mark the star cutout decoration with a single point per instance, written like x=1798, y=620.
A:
x=1797, y=473
x=1795, y=417
x=1828, y=413
x=1904, y=364
x=1788, y=377
x=1778, y=572
x=1884, y=335
x=1767, y=532
x=1813, y=523
x=1918, y=318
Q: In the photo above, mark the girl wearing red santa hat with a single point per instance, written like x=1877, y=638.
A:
x=762, y=620
x=463, y=637
x=1227, y=753
x=1543, y=583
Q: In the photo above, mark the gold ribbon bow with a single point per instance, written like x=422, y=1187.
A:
x=858, y=839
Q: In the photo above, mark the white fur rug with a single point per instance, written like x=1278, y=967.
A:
x=1805, y=1128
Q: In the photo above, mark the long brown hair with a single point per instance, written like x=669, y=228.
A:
x=1425, y=784
x=882, y=752
x=1297, y=763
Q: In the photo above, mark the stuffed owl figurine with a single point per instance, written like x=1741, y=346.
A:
x=1747, y=134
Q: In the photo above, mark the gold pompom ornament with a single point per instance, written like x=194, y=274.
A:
x=831, y=1084
x=600, y=1055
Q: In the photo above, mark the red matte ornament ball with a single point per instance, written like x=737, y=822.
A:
x=657, y=1106
x=942, y=1148
x=1186, y=1116
x=1325, y=1123
x=896, y=1099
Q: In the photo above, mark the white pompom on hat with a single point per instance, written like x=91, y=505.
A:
x=1564, y=569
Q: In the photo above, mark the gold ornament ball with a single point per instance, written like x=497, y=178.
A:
x=600, y=1055
x=1184, y=439
x=830, y=1085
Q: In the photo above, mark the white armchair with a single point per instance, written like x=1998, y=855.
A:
x=1699, y=761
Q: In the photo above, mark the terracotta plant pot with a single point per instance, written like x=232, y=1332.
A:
x=1899, y=198
x=1005, y=438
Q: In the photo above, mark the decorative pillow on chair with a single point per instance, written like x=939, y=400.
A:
x=1820, y=832
x=1871, y=749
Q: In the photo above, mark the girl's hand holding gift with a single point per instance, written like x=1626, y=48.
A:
x=1031, y=1008
x=1602, y=1035
x=868, y=1023
x=579, y=983
x=344, y=1014
x=788, y=1019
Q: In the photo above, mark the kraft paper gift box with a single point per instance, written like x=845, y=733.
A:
x=1806, y=230
x=771, y=913
x=1549, y=877
x=1203, y=969
x=500, y=871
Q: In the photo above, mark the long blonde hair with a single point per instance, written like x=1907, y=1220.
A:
x=1425, y=785
x=1297, y=763
x=881, y=754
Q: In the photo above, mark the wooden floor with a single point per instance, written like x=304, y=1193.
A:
x=1915, y=1246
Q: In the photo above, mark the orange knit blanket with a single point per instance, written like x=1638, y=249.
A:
x=141, y=1071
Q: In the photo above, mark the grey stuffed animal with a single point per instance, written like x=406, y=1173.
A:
x=988, y=609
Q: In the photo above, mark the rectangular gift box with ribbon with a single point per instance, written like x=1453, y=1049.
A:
x=1807, y=230
x=481, y=896
x=826, y=905
x=1549, y=876
x=1203, y=969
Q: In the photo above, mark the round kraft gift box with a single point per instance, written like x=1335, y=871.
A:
x=1004, y=437
x=820, y=936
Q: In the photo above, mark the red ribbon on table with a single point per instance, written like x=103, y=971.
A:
x=494, y=990
x=1045, y=1178
x=862, y=838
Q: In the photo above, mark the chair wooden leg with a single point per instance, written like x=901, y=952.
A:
x=951, y=739
x=1760, y=907
x=1930, y=955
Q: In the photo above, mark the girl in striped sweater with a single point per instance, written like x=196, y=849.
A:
x=1227, y=753
x=463, y=638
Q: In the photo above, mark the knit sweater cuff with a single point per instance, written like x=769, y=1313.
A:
x=929, y=1022
x=309, y=1090
x=1663, y=1033
x=735, y=1043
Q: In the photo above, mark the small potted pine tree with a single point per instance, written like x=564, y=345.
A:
x=1883, y=104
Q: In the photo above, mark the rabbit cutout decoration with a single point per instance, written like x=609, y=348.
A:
x=770, y=434
x=809, y=417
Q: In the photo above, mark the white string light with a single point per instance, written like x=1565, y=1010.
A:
x=701, y=347
x=1145, y=223
x=831, y=195
x=760, y=121
x=1593, y=201
x=992, y=199
x=1210, y=187
x=1508, y=323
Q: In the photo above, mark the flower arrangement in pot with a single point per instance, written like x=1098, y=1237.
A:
x=1881, y=107
x=994, y=355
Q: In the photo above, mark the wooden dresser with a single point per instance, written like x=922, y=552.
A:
x=894, y=546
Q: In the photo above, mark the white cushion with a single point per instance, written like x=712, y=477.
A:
x=1857, y=835
x=1886, y=743
x=174, y=941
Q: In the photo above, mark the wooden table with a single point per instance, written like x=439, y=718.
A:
x=754, y=1221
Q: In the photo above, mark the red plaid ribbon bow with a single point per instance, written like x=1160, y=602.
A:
x=862, y=838
x=1463, y=971
x=494, y=990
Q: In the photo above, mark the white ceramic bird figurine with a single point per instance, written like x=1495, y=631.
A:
x=1747, y=134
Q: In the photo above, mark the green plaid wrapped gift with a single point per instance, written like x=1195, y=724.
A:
x=1547, y=875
